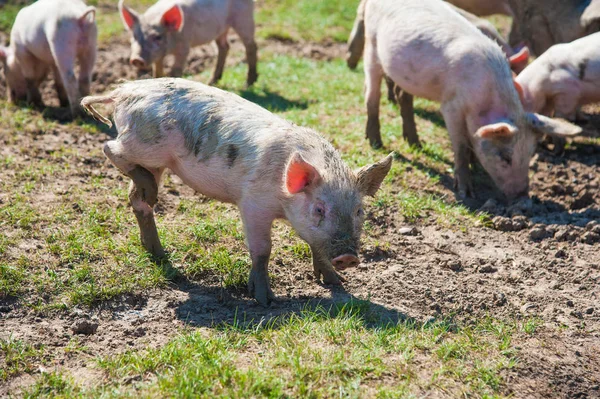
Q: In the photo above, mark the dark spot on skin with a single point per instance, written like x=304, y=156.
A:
x=232, y=154
x=435, y=81
x=582, y=68
x=197, y=146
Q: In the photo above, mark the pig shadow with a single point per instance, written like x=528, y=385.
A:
x=273, y=101
x=434, y=117
x=212, y=307
x=62, y=115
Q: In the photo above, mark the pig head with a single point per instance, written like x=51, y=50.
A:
x=152, y=35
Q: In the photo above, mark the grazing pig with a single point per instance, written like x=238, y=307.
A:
x=457, y=65
x=175, y=26
x=232, y=150
x=541, y=24
x=51, y=35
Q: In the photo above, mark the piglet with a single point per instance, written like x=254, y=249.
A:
x=431, y=51
x=174, y=27
x=232, y=150
x=51, y=35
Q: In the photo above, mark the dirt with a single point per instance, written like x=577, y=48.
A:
x=537, y=259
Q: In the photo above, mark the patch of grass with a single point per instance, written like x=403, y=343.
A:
x=345, y=350
x=305, y=19
x=17, y=357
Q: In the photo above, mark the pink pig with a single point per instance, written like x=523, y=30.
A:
x=50, y=35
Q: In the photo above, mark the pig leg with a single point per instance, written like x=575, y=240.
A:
x=33, y=70
x=409, y=127
x=223, y=49
x=565, y=106
x=391, y=87
x=64, y=58
x=143, y=195
x=158, y=70
x=462, y=157
x=86, y=59
x=60, y=89
x=257, y=227
x=325, y=269
x=373, y=77
x=243, y=25
x=181, y=54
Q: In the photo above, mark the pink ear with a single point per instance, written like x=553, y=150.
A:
x=519, y=61
x=300, y=175
x=129, y=18
x=172, y=19
x=496, y=131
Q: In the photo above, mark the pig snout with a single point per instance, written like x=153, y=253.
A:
x=137, y=62
x=345, y=261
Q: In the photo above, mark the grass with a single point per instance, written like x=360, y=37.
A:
x=346, y=350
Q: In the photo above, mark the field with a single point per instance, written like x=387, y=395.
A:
x=474, y=299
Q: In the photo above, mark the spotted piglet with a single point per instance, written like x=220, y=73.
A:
x=232, y=150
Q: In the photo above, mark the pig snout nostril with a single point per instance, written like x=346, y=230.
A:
x=345, y=261
x=137, y=62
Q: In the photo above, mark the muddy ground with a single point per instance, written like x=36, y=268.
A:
x=538, y=258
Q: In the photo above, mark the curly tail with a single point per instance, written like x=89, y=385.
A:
x=87, y=102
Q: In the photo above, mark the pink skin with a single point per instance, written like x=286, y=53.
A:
x=51, y=35
x=175, y=27
x=234, y=151
x=456, y=65
x=563, y=79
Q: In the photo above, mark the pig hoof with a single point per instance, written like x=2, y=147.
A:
x=260, y=290
x=376, y=144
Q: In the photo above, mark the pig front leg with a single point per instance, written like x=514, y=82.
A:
x=324, y=268
x=60, y=89
x=158, y=69
x=373, y=77
x=257, y=227
x=462, y=153
x=223, y=49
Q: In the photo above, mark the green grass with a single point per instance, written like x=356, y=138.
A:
x=17, y=357
x=347, y=351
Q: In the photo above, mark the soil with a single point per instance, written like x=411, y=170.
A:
x=538, y=258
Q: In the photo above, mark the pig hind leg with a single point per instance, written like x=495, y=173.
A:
x=222, y=50
x=409, y=127
x=143, y=195
x=243, y=25
x=373, y=77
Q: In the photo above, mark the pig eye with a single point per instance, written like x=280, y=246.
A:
x=319, y=210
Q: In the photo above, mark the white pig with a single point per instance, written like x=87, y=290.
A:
x=51, y=35
x=175, y=26
x=232, y=150
x=431, y=51
x=563, y=79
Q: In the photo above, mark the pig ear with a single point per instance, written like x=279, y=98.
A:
x=552, y=126
x=370, y=177
x=519, y=61
x=172, y=19
x=591, y=16
x=496, y=131
x=129, y=17
x=88, y=17
x=300, y=175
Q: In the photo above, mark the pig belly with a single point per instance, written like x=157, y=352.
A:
x=210, y=178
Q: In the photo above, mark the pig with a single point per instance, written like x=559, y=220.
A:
x=51, y=35
x=517, y=60
x=456, y=65
x=175, y=26
x=563, y=79
x=232, y=150
x=540, y=24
